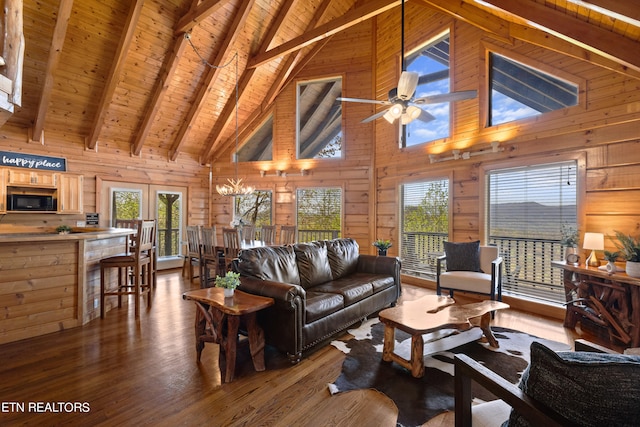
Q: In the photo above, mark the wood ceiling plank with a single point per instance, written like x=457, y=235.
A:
x=57, y=43
x=614, y=8
x=198, y=14
x=473, y=15
x=238, y=21
x=586, y=35
x=114, y=74
x=349, y=19
x=224, y=118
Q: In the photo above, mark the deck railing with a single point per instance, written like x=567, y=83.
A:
x=527, y=263
x=313, y=235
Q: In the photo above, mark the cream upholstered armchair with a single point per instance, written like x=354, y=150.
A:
x=470, y=267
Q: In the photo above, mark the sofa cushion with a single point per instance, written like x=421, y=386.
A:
x=351, y=290
x=313, y=263
x=322, y=304
x=588, y=389
x=462, y=256
x=277, y=263
x=343, y=256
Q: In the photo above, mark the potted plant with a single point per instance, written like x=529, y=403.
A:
x=63, y=229
x=630, y=249
x=382, y=246
x=569, y=240
x=611, y=258
x=228, y=282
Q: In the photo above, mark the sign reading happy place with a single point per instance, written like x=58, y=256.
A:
x=32, y=161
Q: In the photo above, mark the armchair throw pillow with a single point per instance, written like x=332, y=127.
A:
x=463, y=256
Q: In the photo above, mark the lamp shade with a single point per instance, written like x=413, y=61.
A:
x=593, y=241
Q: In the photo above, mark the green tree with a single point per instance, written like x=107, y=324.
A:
x=432, y=213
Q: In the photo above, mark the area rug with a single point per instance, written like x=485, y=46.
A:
x=420, y=399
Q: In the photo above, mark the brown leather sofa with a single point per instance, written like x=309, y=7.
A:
x=320, y=288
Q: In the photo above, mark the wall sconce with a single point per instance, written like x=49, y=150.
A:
x=457, y=155
x=284, y=174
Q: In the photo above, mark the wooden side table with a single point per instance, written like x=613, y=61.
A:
x=218, y=320
x=428, y=314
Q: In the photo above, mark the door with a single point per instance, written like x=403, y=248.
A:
x=121, y=200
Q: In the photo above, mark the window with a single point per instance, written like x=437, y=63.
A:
x=527, y=208
x=259, y=145
x=425, y=225
x=519, y=91
x=125, y=204
x=169, y=214
x=319, y=213
x=254, y=208
x=319, y=122
x=431, y=62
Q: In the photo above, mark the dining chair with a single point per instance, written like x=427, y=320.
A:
x=210, y=257
x=128, y=223
x=268, y=234
x=193, y=251
x=249, y=232
x=138, y=261
x=288, y=234
x=231, y=242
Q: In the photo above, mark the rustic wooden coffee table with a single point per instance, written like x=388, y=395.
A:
x=428, y=314
x=218, y=320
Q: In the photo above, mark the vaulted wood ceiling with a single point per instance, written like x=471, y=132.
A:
x=122, y=74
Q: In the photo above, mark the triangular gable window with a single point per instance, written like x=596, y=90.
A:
x=519, y=91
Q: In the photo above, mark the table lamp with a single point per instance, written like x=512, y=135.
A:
x=594, y=242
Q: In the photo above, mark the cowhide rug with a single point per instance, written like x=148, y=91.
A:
x=420, y=399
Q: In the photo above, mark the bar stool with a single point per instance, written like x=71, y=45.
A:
x=139, y=261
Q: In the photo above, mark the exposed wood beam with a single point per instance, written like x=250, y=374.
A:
x=225, y=115
x=349, y=19
x=55, y=51
x=116, y=69
x=473, y=15
x=167, y=72
x=238, y=22
x=627, y=11
x=198, y=14
x=568, y=28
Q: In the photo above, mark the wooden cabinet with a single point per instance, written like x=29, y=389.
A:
x=69, y=193
x=31, y=178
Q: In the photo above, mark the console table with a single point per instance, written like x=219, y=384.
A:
x=610, y=301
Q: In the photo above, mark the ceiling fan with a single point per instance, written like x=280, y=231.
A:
x=402, y=104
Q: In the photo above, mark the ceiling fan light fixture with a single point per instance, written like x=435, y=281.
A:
x=411, y=114
x=389, y=117
x=396, y=111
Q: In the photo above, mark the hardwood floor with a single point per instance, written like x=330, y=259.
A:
x=127, y=372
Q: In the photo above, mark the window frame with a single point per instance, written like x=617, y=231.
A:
x=326, y=187
x=579, y=158
x=300, y=82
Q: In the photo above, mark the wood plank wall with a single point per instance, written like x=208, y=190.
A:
x=603, y=130
x=348, y=55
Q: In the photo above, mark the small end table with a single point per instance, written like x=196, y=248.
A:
x=218, y=320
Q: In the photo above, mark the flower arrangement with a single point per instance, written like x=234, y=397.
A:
x=570, y=236
x=229, y=281
x=382, y=245
x=63, y=229
x=238, y=222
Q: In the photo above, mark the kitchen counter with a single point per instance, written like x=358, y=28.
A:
x=50, y=281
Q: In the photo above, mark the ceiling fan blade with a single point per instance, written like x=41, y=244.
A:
x=426, y=117
x=407, y=85
x=375, y=116
x=366, y=101
x=447, y=97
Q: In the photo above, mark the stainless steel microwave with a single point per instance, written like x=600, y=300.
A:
x=31, y=202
